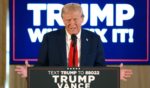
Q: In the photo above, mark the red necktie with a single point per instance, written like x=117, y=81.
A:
x=73, y=60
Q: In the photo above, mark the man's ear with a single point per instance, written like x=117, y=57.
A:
x=63, y=21
x=82, y=20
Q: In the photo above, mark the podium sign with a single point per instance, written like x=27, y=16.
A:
x=60, y=77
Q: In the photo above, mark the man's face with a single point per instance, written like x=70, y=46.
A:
x=73, y=21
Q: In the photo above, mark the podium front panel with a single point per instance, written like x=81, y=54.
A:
x=62, y=77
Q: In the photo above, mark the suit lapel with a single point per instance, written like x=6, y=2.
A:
x=62, y=45
x=84, y=48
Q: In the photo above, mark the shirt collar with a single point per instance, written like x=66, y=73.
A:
x=68, y=36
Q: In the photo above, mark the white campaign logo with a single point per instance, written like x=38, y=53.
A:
x=112, y=14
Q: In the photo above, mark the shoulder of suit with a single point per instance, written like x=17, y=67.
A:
x=89, y=33
x=55, y=33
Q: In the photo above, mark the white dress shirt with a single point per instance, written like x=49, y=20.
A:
x=68, y=40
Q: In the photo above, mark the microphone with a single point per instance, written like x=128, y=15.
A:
x=74, y=39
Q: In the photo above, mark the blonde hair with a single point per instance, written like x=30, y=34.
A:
x=72, y=7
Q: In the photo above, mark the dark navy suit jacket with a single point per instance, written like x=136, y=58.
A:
x=53, y=49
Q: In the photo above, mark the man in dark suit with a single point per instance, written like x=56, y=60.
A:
x=54, y=53
x=55, y=48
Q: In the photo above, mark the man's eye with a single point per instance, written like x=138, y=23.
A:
x=75, y=19
x=68, y=20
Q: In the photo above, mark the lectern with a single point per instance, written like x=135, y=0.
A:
x=85, y=77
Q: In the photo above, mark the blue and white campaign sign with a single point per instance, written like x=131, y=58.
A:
x=123, y=26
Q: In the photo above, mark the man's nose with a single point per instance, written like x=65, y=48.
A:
x=72, y=21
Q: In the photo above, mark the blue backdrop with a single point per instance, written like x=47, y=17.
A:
x=123, y=26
